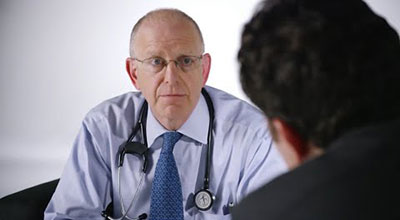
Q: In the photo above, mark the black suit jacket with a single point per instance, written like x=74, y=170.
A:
x=357, y=178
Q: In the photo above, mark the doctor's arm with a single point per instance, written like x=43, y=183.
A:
x=85, y=185
x=263, y=162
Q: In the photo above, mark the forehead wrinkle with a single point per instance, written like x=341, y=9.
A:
x=167, y=55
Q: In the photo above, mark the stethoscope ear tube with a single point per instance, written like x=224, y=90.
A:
x=210, y=139
x=133, y=147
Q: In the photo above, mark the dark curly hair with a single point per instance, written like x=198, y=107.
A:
x=324, y=67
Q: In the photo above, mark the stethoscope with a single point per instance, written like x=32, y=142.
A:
x=203, y=199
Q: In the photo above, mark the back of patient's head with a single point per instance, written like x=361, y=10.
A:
x=323, y=67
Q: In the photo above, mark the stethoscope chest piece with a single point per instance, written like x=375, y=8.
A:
x=203, y=199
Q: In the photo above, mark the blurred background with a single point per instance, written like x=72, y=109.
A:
x=58, y=59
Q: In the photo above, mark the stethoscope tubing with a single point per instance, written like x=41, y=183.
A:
x=141, y=125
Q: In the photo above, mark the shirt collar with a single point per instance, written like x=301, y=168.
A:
x=196, y=127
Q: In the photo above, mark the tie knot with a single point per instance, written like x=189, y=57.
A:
x=170, y=139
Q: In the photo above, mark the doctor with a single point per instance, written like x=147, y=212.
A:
x=193, y=154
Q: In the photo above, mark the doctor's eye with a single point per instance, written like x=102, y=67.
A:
x=156, y=61
x=186, y=61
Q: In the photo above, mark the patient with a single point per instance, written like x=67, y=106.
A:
x=327, y=74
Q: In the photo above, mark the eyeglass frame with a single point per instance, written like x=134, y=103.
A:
x=165, y=62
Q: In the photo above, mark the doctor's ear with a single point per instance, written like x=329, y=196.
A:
x=132, y=71
x=206, y=66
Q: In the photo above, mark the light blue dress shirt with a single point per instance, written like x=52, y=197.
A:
x=243, y=159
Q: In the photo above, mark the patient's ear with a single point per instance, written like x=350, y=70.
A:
x=289, y=143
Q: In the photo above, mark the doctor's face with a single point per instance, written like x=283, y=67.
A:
x=169, y=69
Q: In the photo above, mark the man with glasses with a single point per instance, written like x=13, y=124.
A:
x=168, y=66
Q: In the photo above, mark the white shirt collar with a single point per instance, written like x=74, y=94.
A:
x=196, y=127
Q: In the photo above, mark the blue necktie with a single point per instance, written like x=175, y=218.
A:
x=166, y=192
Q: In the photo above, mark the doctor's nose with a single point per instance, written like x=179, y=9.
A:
x=171, y=72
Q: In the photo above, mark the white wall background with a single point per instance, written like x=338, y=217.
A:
x=59, y=58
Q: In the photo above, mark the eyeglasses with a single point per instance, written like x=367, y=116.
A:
x=156, y=64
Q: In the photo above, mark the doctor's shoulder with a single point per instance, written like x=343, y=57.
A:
x=122, y=106
x=231, y=111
